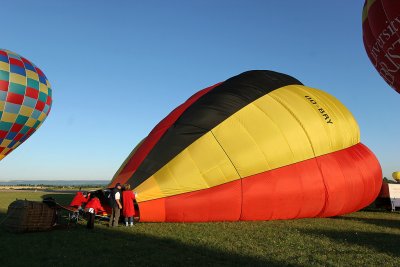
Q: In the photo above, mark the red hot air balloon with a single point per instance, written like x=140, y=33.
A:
x=381, y=36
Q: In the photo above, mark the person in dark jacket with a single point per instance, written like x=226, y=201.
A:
x=116, y=205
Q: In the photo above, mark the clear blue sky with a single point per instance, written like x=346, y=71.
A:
x=118, y=67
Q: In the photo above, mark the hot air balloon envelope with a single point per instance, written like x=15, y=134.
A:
x=25, y=100
x=259, y=146
x=396, y=176
x=381, y=24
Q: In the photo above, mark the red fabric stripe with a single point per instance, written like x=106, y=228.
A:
x=29, y=132
x=330, y=185
x=3, y=53
x=40, y=105
x=334, y=184
x=15, y=98
x=31, y=92
x=220, y=203
x=40, y=72
x=16, y=127
x=18, y=137
x=152, y=211
x=154, y=136
x=3, y=134
x=17, y=62
x=3, y=85
x=26, y=61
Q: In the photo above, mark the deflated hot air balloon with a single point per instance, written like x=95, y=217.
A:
x=396, y=176
x=259, y=146
x=25, y=100
x=381, y=24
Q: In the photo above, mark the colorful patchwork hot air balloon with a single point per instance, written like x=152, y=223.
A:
x=381, y=25
x=259, y=146
x=25, y=100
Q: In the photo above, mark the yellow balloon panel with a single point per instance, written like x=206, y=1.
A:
x=288, y=125
x=203, y=164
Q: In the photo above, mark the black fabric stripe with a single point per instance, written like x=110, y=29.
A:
x=206, y=113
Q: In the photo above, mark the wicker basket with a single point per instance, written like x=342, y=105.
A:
x=29, y=216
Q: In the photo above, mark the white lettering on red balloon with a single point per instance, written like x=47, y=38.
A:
x=387, y=61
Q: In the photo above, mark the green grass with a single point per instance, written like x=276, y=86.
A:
x=358, y=239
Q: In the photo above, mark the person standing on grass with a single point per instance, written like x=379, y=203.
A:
x=92, y=207
x=115, y=205
x=128, y=208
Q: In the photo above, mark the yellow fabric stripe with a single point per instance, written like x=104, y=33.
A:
x=42, y=116
x=4, y=66
x=16, y=78
x=285, y=127
x=43, y=88
x=202, y=165
x=289, y=125
x=5, y=143
x=9, y=117
x=33, y=75
x=26, y=111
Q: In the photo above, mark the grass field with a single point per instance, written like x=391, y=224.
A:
x=358, y=239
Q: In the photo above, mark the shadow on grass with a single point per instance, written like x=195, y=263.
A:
x=390, y=223
x=383, y=242
x=113, y=247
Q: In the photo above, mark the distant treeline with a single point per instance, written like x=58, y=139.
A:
x=55, y=186
x=56, y=183
x=389, y=181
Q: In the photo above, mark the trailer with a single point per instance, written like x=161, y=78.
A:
x=389, y=196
